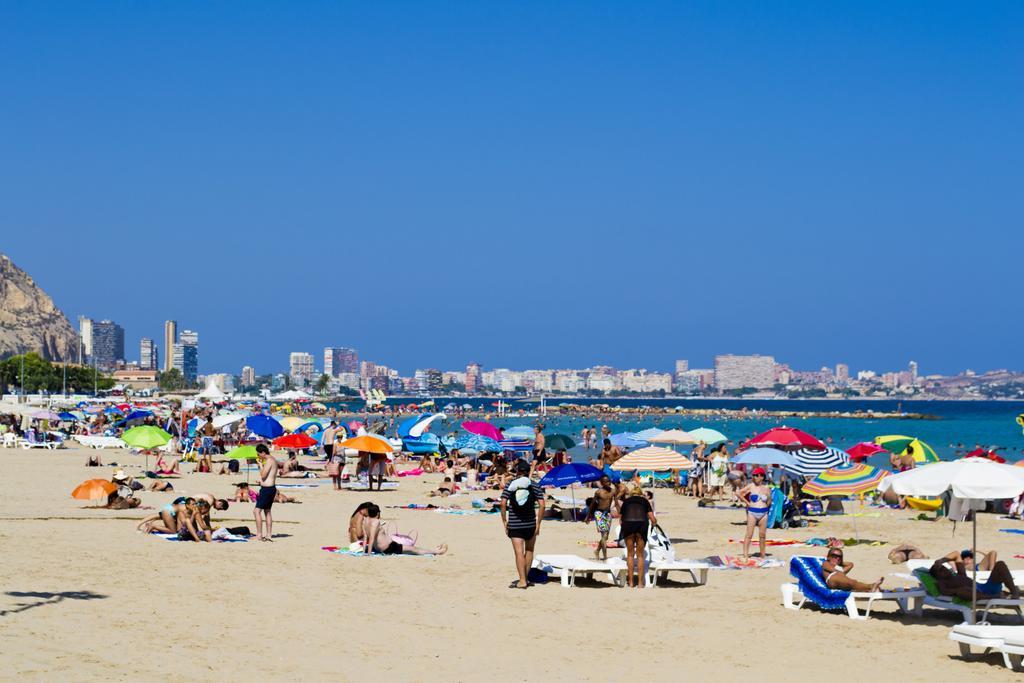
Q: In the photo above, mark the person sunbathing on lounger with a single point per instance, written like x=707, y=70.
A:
x=958, y=584
x=836, y=573
x=378, y=540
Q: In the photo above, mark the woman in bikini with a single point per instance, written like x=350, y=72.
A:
x=167, y=520
x=757, y=497
x=836, y=573
x=380, y=541
x=355, y=523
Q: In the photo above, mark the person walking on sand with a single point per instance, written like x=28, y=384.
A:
x=600, y=511
x=522, y=509
x=268, y=493
x=757, y=497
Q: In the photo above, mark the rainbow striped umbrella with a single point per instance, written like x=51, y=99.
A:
x=846, y=480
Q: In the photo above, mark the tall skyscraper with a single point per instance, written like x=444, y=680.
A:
x=186, y=355
x=300, y=368
x=85, y=339
x=107, y=344
x=248, y=376
x=842, y=373
x=740, y=372
x=339, y=359
x=682, y=366
x=913, y=372
x=148, y=355
x=170, y=339
x=473, y=372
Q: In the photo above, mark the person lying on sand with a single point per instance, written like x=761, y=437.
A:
x=161, y=486
x=378, y=540
x=167, y=520
x=446, y=488
x=836, y=573
x=290, y=465
x=116, y=502
x=94, y=461
x=244, y=494
x=958, y=584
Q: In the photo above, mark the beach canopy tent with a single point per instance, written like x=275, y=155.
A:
x=212, y=392
x=814, y=461
x=786, y=437
x=908, y=445
x=653, y=459
x=707, y=435
x=671, y=436
x=764, y=456
x=292, y=395
x=971, y=480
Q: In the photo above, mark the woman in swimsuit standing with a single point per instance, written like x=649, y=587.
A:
x=757, y=496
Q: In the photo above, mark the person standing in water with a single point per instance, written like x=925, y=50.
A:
x=757, y=497
x=267, y=494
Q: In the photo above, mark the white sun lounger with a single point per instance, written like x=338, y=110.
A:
x=793, y=599
x=568, y=567
x=98, y=441
x=988, y=637
x=985, y=605
x=697, y=570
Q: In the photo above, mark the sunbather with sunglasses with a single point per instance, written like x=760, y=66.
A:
x=958, y=583
x=836, y=573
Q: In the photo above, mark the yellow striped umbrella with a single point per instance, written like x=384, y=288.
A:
x=845, y=480
x=652, y=458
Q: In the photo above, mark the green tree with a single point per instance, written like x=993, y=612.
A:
x=321, y=384
x=171, y=380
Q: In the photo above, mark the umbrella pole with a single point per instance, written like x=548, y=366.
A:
x=974, y=552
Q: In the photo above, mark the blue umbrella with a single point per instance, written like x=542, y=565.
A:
x=475, y=442
x=765, y=456
x=627, y=440
x=68, y=417
x=571, y=473
x=138, y=415
x=264, y=425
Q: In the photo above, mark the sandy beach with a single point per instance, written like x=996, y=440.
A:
x=87, y=597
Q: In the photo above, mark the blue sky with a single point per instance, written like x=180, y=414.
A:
x=525, y=184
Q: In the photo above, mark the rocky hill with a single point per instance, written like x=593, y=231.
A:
x=29, y=320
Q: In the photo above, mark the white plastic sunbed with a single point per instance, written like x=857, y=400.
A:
x=1007, y=639
x=793, y=599
x=99, y=441
x=985, y=605
x=568, y=567
x=698, y=570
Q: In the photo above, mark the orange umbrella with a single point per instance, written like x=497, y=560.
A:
x=94, y=489
x=370, y=444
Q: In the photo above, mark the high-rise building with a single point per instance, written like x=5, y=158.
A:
x=85, y=339
x=107, y=344
x=913, y=372
x=842, y=373
x=248, y=376
x=740, y=372
x=473, y=371
x=367, y=369
x=170, y=339
x=339, y=359
x=300, y=368
x=186, y=355
x=148, y=355
x=682, y=366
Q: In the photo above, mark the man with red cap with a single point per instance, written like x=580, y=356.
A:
x=757, y=496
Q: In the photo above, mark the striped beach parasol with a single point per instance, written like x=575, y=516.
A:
x=845, y=480
x=653, y=459
x=814, y=461
x=908, y=445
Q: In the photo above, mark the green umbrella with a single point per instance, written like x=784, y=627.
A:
x=908, y=445
x=243, y=453
x=558, y=442
x=145, y=437
x=708, y=435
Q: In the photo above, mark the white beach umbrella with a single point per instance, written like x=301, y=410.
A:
x=672, y=436
x=221, y=421
x=970, y=479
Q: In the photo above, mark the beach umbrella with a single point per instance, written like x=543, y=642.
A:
x=223, y=420
x=671, y=436
x=708, y=436
x=765, y=456
x=987, y=454
x=146, y=437
x=908, y=445
x=264, y=425
x=569, y=474
x=519, y=432
x=646, y=434
x=864, y=450
x=558, y=442
x=483, y=429
x=653, y=458
x=786, y=437
x=851, y=479
x=477, y=443
x=626, y=440
x=291, y=423
x=294, y=441
x=813, y=461
x=970, y=479
x=369, y=444
x=94, y=489
x=68, y=417
x=44, y=414
x=243, y=453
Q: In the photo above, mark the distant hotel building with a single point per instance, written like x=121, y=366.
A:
x=186, y=355
x=248, y=376
x=85, y=339
x=148, y=355
x=473, y=373
x=340, y=359
x=842, y=373
x=300, y=368
x=107, y=344
x=740, y=372
x=170, y=339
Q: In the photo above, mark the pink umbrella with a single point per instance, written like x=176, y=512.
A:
x=864, y=450
x=483, y=429
x=354, y=426
x=786, y=437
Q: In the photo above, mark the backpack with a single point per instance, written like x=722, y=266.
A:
x=527, y=501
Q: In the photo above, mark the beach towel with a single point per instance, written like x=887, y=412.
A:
x=411, y=473
x=297, y=486
x=736, y=562
x=359, y=553
x=1012, y=531
x=223, y=539
x=771, y=542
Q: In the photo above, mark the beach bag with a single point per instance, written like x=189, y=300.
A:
x=333, y=469
x=659, y=547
